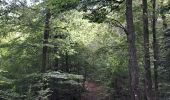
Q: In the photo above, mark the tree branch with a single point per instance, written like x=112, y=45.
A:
x=118, y=24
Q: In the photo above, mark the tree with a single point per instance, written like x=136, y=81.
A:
x=45, y=40
x=133, y=64
x=163, y=10
x=148, y=77
x=155, y=47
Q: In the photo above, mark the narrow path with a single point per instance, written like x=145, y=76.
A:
x=92, y=91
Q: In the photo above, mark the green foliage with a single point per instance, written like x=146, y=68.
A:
x=165, y=8
x=98, y=11
x=86, y=37
x=41, y=86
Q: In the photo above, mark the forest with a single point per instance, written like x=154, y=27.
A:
x=84, y=50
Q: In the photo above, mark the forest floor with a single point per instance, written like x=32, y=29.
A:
x=93, y=91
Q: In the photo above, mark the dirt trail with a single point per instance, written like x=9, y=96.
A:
x=92, y=91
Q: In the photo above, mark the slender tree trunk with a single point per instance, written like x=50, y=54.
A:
x=56, y=60
x=45, y=40
x=147, y=67
x=165, y=25
x=133, y=64
x=66, y=62
x=164, y=21
x=155, y=48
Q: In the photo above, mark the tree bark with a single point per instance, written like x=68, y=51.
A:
x=133, y=64
x=45, y=41
x=66, y=62
x=165, y=25
x=164, y=21
x=147, y=67
x=56, y=60
x=155, y=48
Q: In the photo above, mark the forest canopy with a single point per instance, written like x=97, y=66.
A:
x=84, y=50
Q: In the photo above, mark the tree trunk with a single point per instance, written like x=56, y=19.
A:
x=45, y=40
x=155, y=48
x=165, y=25
x=164, y=21
x=148, y=77
x=133, y=64
x=66, y=62
x=56, y=60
